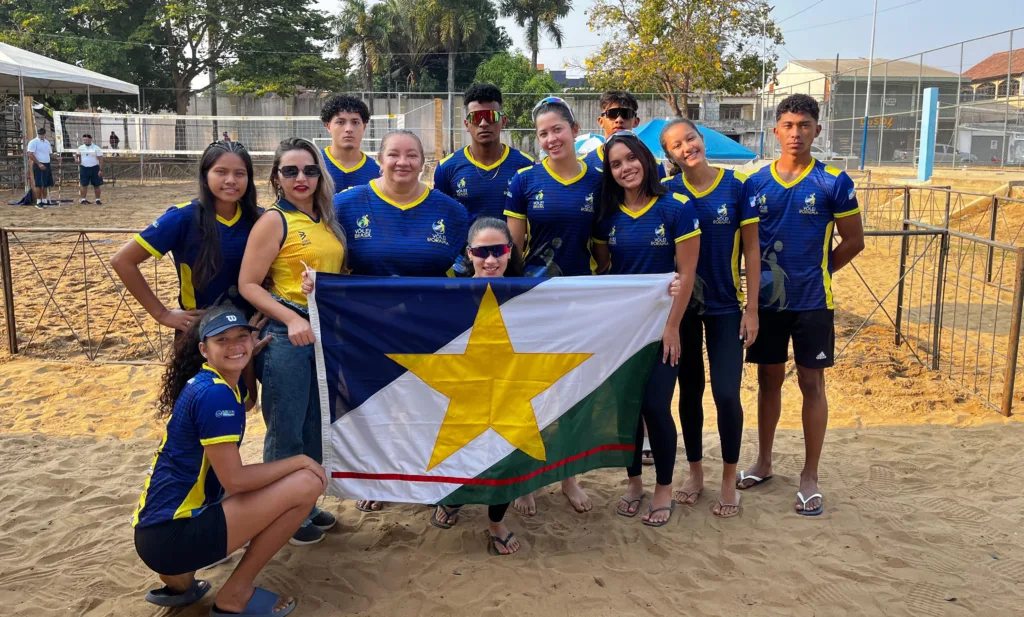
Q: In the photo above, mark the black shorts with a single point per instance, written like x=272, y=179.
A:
x=90, y=175
x=42, y=177
x=184, y=545
x=813, y=334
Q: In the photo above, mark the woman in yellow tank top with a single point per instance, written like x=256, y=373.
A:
x=299, y=230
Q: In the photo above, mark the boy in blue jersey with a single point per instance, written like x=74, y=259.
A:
x=345, y=118
x=800, y=202
x=619, y=112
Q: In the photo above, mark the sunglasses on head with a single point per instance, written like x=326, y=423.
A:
x=620, y=135
x=552, y=100
x=492, y=250
x=492, y=116
x=619, y=112
x=292, y=171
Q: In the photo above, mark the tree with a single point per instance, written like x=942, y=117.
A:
x=363, y=29
x=676, y=47
x=457, y=25
x=408, y=41
x=513, y=73
x=535, y=15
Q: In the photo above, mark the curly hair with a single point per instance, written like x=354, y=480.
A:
x=183, y=365
x=797, y=104
x=343, y=104
x=482, y=93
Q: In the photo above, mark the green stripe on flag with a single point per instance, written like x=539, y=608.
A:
x=599, y=431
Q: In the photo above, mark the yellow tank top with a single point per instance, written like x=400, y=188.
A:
x=305, y=240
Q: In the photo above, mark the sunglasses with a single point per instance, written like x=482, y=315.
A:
x=619, y=112
x=620, y=135
x=552, y=100
x=292, y=171
x=493, y=250
x=492, y=116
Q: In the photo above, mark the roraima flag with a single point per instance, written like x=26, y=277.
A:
x=480, y=390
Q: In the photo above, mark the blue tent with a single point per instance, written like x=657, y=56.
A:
x=719, y=147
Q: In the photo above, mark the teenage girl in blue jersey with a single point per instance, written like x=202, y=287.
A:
x=184, y=520
x=643, y=228
x=717, y=314
x=555, y=201
x=206, y=237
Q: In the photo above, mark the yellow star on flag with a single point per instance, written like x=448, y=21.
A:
x=490, y=386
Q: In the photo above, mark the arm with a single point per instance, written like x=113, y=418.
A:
x=687, y=252
x=602, y=255
x=126, y=263
x=518, y=228
x=749, y=324
x=515, y=211
x=99, y=160
x=32, y=155
x=851, y=230
x=238, y=478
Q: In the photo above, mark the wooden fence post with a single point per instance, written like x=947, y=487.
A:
x=8, y=285
x=1012, y=348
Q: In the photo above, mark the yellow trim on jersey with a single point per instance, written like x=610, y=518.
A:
x=667, y=178
x=445, y=159
x=530, y=158
x=500, y=160
x=563, y=182
x=695, y=232
x=596, y=241
x=188, y=292
x=680, y=198
x=149, y=478
x=826, y=277
x=841, y=215
x=515, y=215
x=182, y=205
x=212, y=441
x=149, y=247
x=197, y=495
x=756, y=219
x=714, y=185
x=832, y=171
x=221, y=380
x=408, y=206
x=803, y=174
x=736, y=266
x=234, y=219
x=742, y=177
x=362, y=161
x=641, y=211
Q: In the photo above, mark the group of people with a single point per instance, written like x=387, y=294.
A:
x=242, y=312
x=89, y=157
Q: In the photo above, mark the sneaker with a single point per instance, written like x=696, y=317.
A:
x=323, y=520
x=99, y=203
x=83, y=201
x=307, y=534
x=40, y=205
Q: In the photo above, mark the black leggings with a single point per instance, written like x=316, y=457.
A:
x=725, y=355
x=495, y=513
x=656, y=411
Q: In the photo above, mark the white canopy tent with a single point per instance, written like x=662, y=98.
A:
x=31, y=74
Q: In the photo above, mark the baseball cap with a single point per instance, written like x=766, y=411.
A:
x=41, y=130
x=216, y=322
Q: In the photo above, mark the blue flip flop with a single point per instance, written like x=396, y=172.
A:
x=167, y=598
x=815, y=512
x=261, y=604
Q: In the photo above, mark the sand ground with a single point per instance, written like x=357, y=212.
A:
x=921, y=481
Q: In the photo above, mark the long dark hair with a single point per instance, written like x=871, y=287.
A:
x=208, y=259
x=515, y=267
x=611, y=193
x=674, y=167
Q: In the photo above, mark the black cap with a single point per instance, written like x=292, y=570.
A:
x=222, y=321
x=41, y=130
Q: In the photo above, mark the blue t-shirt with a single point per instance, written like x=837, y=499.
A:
x=364, y=171
x=644, y=242
x=181, y=482
x=796, y=224
x=559, y=215
x=595, y=158
x=423, y=238
x=480, y=188
x=175, y=232
x=722, y=211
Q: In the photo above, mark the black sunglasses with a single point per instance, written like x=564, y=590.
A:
x=491, y=250
x=292, y=171
x=619, y=112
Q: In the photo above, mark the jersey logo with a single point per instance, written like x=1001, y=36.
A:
x=363, y=227
x=588, y=204
x=809, y=205
x=659, y=236
x=723, y=215
x=761, y=203
x=538, y=201
x=302, y=237
x=611, y=236
x=224, y=413
x=438, y=236
x=460, y=188
x=779, y=276
x=852, y=194
x=508, y=193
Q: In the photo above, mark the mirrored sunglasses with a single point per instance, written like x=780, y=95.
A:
x=552, y=100
x=491, y=250
x=492, y=116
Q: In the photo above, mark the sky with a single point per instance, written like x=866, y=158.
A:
x=910, y=27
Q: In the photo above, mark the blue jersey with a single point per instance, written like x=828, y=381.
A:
x=722, y=211
x=595, y=158
x=796, y=224
x=644, y=242
x=175, y=232
x=364, y=171
x=181, y=483
x=559, y=217
x=480, y=188
x=423, y=238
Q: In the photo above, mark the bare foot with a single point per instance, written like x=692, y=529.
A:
x=526, y=506
x=748, y=477
x=808, y=487
x=500, y=530
x=690, y=491
x=579, y=500
x=367, y=505
x=629, y=503
x=728, y=503
x=228, y=601
x=662, y=499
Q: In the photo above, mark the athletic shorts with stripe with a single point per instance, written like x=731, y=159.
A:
x=813, y=334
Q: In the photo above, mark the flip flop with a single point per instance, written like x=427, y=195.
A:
x=167, y=598
x=757, y=480
x=815, y=512
x=492, y=550
x=629, y=503
x=650, y=510
x=261, y=604
x=449, y=514
x=686, y=497
x=722, y=504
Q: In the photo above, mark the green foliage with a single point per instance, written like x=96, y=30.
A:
x=513, y=74
x=533, y=16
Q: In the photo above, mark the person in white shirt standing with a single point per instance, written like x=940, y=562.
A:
x=90, y=168
x=39, y=150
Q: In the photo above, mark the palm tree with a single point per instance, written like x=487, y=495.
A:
x=363, y=29
x=407, y=39
x=535, y=15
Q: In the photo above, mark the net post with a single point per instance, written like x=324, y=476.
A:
x=904, y=241
x=940, y=279
x=991, y=236
x=8, y=285
x=1012, y=347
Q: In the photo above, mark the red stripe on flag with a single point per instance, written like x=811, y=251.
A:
x=477, y=481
